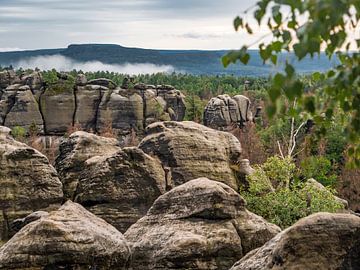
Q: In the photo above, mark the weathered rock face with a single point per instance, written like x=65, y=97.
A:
x=69, y=238
x=74, y=151
x=92, y=105
x=58, y=106
x=320, y=241
x=201, y=224
x=24, y=111
x=28, y=183
x=122, y=113
x=121, y=187
x=190, y=150
x=116, y=184
x=223, y=111
x=88, y=99
x=7, y=78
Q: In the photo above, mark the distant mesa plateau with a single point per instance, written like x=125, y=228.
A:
x=114, y=57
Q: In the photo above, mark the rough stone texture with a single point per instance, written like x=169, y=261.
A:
x=175, y=101
x=70, y=238
x=58, y=106
x=321, y=241
x=121, y=112
x=223, y=111
x=19, y=223
x=201, y=224
x=34, y=81
x=8, y=77
x=28, y=183
x=191, y=150
x=74, y=151
x=7, y=100
x=121, y=187
x=94, y=105
x=25, y=110
x=88, y=99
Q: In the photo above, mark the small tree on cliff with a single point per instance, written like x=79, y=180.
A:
x=309, y=27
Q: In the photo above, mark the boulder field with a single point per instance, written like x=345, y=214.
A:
x=172, y=202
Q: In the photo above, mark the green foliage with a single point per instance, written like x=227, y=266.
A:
x=194, y=108
x=319, y=168
x=279, y=171
x=309, y=27
x=285, y=204
x=50, y=76
x=18, y=133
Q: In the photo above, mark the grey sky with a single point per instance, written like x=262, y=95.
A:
x=173, y=24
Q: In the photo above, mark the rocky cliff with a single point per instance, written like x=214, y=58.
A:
x=94, y=105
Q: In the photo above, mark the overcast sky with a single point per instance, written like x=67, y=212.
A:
x=158, y=24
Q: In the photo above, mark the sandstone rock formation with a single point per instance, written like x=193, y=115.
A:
x=320, y=241
x=90, y=105
x=223, y=111
x=121, y=187
x=116, y=184
x=28, y=182
x=201, y=224
x=74, y=151
x=189, y=150
x=69, y=238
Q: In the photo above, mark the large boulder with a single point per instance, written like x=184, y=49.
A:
x=201, y=224
x=175, y=101
x=69, y=238
x=122, y=112
x=322, y=241
x=120, y=188
x=7, y=101
x=224, y=111
x=34, y=81
x=88, y=99
x=24, y=111
x=7, y=78
x=28, y=183
x=74, y=151
x=57, y=104
x=190, y=150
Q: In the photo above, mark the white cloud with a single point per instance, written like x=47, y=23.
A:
x=62, y=63
x=10, y=49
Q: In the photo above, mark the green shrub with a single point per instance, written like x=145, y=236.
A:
x=279, y=171
x=287, y=202
x=319, y=168
x=18, y=133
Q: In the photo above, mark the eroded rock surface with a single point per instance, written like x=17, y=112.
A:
x=28, y=183
x=116, y=184
x=318, y=242
x=95, y=105
x=201, y=224
x=190, y=150
x=121, y=187
x=74, y=151
x=69, y=238
x=224, y=111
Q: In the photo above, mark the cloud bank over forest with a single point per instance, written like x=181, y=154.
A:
x=63, y=63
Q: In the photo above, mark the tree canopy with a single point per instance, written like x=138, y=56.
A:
x=308, y=28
